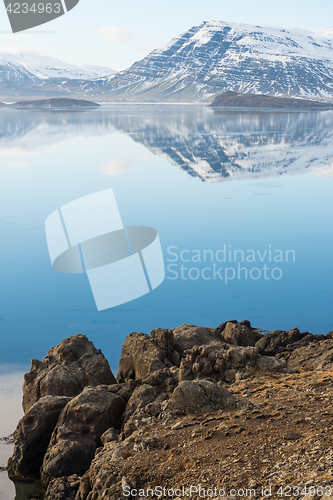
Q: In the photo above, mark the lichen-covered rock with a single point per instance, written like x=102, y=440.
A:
x=237, y=334
x=99, y=481
x=276, y=342
x=135, y=417
x=109, y=436
x=79, y=429
x=315, y=356
x=202, y=396
x=63, y=488
x=138, y=354
x=221, y=362
x=270, y=363
x=188, y=336
x=32, y=436
x=307, y=339
x=164, y=339
x=67, y=368
x=143, y=354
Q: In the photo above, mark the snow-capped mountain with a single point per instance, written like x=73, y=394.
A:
x=196, y=66
x=15, y=74
x=218, y=56
x=41, y=67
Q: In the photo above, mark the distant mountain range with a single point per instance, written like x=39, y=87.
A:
x=196, y=66
x=26, y=71
x=43, y=67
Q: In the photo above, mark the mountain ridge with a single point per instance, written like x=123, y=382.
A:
x=29, y=67
x=216, y=56
x=199, y=64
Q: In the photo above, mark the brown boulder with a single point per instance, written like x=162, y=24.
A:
x=202, y=396
x=142, y=396
x=79, y=429
x=188, y=336
x=135, y=417
x=32, y=436
x=277, y=341
x=238, y=334
x=315, y=356
x=218, y=362
x=67, y=368
x=63, y=488
x=164, y=339
x=139, y=355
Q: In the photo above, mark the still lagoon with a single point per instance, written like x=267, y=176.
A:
x=242, y=202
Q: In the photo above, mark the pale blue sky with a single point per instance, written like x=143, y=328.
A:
x=116, y=34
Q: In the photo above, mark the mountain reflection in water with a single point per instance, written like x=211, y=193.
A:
x=210, y=145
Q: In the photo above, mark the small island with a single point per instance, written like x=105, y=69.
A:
x=56, y=103
x=231, y=99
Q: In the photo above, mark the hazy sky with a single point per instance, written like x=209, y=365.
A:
x=116, y=34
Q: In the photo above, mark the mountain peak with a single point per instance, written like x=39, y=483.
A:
x=217, y=56
x=206, y=60
x=44, y=67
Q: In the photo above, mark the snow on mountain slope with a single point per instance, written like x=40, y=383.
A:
x=217, y=56
x=43, y=67
x=11, y=74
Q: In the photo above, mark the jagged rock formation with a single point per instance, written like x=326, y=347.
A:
x=140, y=351
x=33, y=434
x=202, y=396
x=74, y=364
x=284, y=435
x=282, y=343
x=316, y=354
x=79, y=429
x=169, y=380
x=188, y=336
x=237, y=333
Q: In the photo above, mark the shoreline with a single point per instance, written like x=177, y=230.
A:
x=168, y=384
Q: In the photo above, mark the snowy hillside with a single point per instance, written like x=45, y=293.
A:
x=43, y=67
x=217, y=56
x=201, y=63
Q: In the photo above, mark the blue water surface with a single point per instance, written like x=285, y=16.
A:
x=205, y=181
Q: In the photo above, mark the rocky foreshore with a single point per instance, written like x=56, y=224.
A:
x=226, y=410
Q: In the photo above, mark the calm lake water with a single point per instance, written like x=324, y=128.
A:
x=242, y=202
